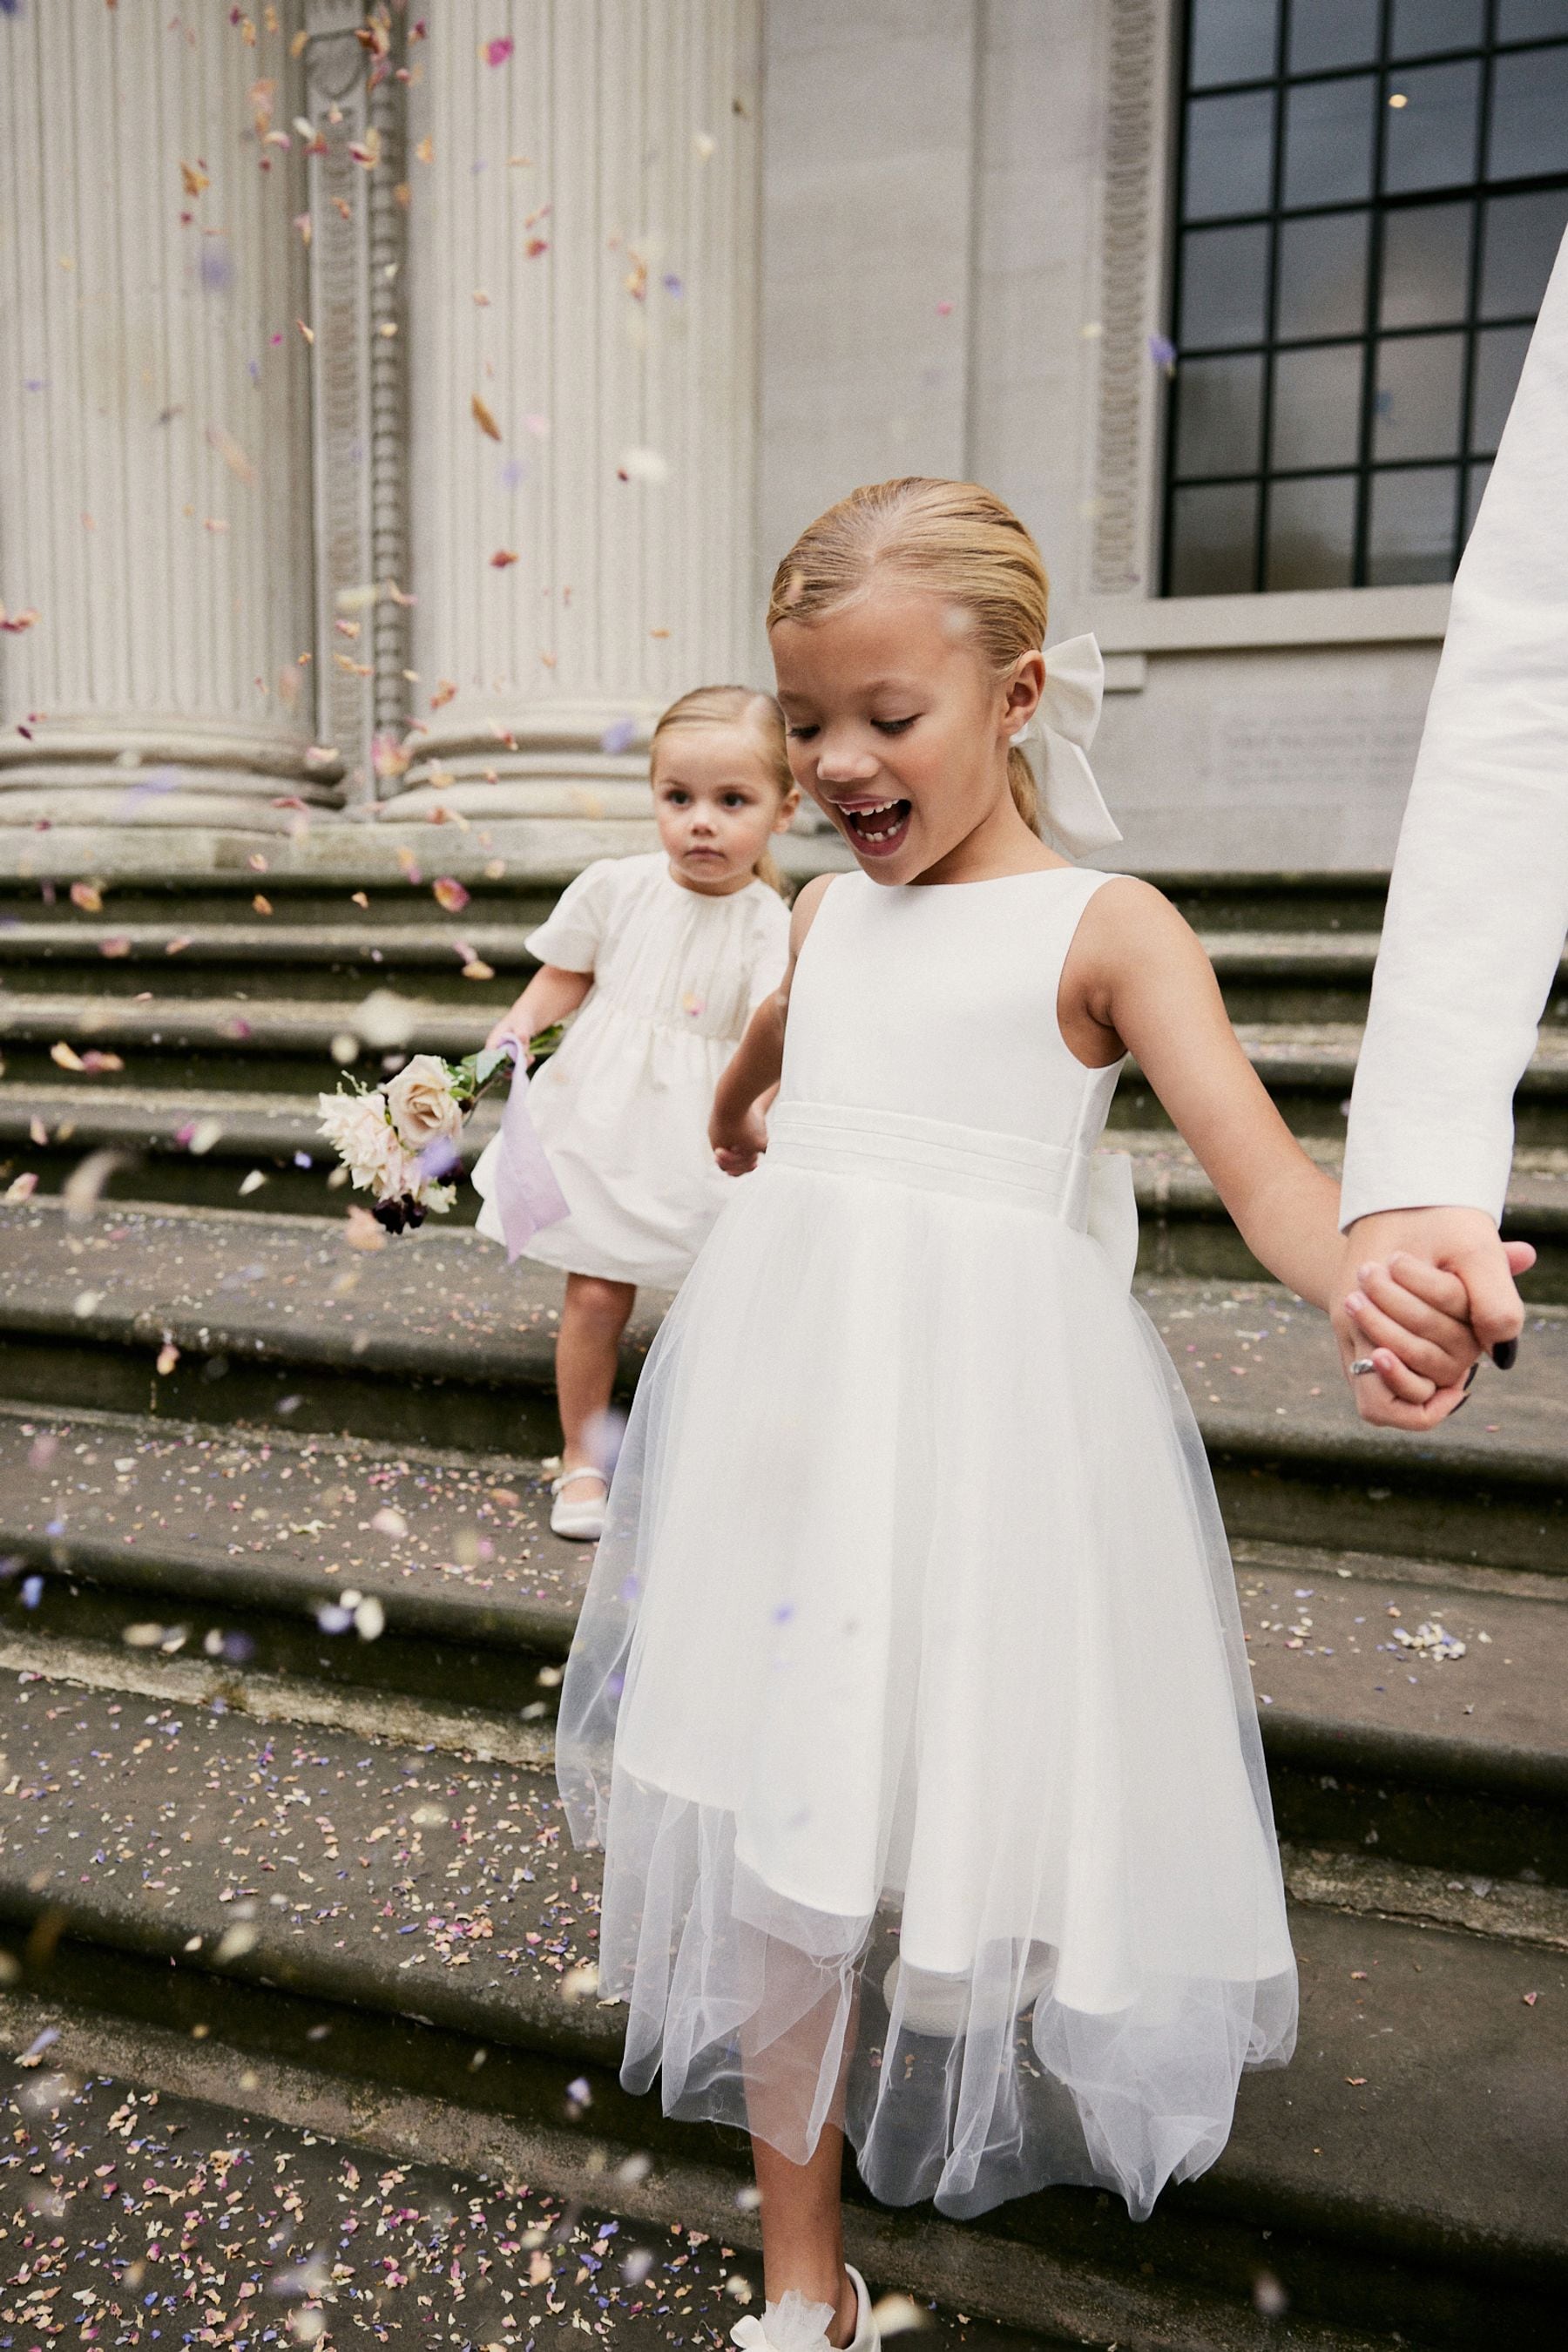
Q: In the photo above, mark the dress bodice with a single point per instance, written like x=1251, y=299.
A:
x=939, y=1002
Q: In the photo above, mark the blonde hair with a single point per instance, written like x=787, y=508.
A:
x=957, y=540
x=737, y=706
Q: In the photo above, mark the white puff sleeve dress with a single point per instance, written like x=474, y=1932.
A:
x=622, y=1108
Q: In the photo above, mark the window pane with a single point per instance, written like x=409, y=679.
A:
x=1500, y=355
x=1230, y=154
x=1233, y=40
x=1425, y=266
x=1323, y=275
x=1219, y=415
x=1522, y=235
x=1412, y=534
x=1326, y=33
x=1475, y=490
x=1225, y=273
x=1327, y=140
x=1213, y=541
x=1430, y=141
x=1373, y=197
x=1530, y=20
x=1311, y=533
x=1420, y=392
x=1316, y=406
x=1529, y=114
x=1422, y=27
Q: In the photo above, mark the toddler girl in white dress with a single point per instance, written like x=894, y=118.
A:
x=910, y=1699
x=663, y=958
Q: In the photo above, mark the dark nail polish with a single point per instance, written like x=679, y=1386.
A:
x=1505, y=1354
x=1471, y=1377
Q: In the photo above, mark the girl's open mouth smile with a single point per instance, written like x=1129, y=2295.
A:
x=877, y=828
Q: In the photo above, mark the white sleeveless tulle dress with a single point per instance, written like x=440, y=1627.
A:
x=912, y=1637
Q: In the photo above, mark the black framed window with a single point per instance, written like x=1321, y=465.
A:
x=1371, y=194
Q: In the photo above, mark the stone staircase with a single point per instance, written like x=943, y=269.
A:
x=282, y=1626
x=209, y=1027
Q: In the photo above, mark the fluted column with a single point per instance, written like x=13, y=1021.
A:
x=582, y=274
x=154, y=439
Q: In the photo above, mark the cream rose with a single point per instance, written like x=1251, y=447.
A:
x=421, y=1104
x=359, y=1130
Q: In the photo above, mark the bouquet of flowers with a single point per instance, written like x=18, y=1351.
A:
x=399, y=1140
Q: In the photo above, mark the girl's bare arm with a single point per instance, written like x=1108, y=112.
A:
x=550, y=996
x=737, y=1130
x=1136, y=976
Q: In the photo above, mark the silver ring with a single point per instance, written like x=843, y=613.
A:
x=1362, y=1364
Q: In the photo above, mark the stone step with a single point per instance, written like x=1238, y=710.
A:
x=312, y=2217
x=503, y=892
x=170, y=946
x=1310, y=976
x=178, y=960
x=177, y=1146
x=256, y=1532
x=345, y=2144
x=432, y=1340
x=1290, y=1461
x=1184, y=1229
x=349, y=1870
x=1308, y=1068
x=221, y=1549
x=299, y=1045
x=1266, y=975
x=211, y=1044
x=208, y=1151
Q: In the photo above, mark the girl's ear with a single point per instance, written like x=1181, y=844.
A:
x=787, y=808
x=1024, y=689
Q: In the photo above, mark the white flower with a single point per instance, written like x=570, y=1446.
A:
x=359, y=1128
x=421, y=1105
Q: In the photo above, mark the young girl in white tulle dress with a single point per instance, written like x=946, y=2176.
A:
x=662, y=959
x=910, y=1699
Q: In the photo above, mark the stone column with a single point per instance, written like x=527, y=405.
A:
x=582, y=273
x=154, y=441
x=355, y=76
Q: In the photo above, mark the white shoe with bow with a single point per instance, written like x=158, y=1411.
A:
x=793, y=2325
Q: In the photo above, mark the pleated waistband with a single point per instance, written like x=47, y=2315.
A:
x=936, y=1154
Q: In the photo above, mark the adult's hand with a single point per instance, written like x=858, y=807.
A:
x=1411, y=1278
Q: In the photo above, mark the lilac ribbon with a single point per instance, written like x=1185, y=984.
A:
x=527, y=1196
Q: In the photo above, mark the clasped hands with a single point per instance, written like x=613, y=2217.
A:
x=1424, y=1293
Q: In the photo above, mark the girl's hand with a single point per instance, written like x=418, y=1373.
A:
x=504, y=1028
x=739, y=1143
x=1412, y=1320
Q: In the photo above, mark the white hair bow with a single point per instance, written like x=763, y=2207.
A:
x=1056, y=744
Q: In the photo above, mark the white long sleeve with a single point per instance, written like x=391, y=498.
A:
x=1479, y=902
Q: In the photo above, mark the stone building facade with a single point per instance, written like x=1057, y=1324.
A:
x=405, y=407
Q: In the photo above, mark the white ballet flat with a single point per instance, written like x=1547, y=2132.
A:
x=583, y=1521
x=940, y=2005
x=793, y=2325
x=868, y=2336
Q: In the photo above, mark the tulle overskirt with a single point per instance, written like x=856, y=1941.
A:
x=911, y=1705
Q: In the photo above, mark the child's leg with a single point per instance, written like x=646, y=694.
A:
x=595, y=1313
x=803, y=2229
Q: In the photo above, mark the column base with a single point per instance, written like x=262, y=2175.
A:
x=165, y=776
